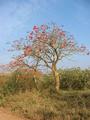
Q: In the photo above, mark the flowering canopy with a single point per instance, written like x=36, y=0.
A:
x=46, y=45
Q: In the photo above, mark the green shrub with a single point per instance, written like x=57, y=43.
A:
x=16, y=84
x=75, y=79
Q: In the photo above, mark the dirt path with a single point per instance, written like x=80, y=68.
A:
x=5, y=115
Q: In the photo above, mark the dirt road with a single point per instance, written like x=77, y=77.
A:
x=5, y=115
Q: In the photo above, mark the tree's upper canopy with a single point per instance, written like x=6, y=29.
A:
x=45, y=45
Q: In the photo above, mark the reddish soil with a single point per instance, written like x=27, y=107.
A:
x=5, y=115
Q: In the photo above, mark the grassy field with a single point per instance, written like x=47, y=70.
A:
x=45, y=103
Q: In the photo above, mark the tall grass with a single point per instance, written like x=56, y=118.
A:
x=75, y=79
x=71, y=79
x=21, y=95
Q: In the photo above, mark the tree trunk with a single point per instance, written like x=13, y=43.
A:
x=35, y=78
x=56, y=77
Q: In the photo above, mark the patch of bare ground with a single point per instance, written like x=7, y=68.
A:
x=7, y=115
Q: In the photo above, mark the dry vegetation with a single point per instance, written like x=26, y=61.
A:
x=42, y=102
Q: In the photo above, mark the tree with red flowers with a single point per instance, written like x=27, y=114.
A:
x=46, y=46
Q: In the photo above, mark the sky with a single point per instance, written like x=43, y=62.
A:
x=17, y=17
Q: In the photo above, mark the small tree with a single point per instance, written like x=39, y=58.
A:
x=46, y=46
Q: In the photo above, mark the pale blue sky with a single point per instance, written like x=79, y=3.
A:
x=18, y=16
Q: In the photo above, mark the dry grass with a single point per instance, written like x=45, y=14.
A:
x=21, y=97
x=36, y=105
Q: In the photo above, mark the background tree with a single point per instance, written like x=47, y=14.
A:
x=45, y=46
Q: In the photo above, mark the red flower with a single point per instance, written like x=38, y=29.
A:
x=62, y=33
x=35, y=28
x=63, y=44
x=27, y=50
x=43, y=27
x=31, y=35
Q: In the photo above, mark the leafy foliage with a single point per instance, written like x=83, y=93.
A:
x=75, y=79
x=20, y=80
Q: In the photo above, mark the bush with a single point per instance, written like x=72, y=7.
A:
x=18, y=81
x=3, y=78
x=75, y=79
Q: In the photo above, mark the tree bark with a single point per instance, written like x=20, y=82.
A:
x=35, y=78
x=56, y=77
